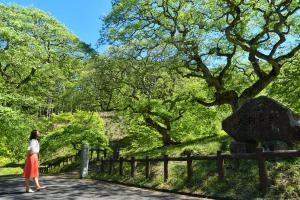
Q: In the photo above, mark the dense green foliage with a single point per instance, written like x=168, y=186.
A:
x=67, y=131
x=152, y=100
x=287, y=87
x=15, y=128
x=212, y=37
x=40, y=64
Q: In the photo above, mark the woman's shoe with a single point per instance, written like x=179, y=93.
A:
x=29, y=191
x=39, y=188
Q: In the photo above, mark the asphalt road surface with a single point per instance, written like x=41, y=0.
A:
x=60, y=187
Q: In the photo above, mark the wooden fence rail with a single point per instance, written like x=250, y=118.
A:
x=64, y=161
x=220, y=158
x=58, y=162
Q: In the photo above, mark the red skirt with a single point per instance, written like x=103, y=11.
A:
x=31, y=168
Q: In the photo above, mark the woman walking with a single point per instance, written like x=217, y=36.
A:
x=31, y=169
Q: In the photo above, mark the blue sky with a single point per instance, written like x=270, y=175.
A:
x=81, y=17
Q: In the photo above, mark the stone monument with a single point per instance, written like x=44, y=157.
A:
x=84, y=160
x=262, y=120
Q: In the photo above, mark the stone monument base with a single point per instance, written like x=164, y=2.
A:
x=275, y=145
x=243, y=147
x=249, y=147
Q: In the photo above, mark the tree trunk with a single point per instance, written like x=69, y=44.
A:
x=163, y=131
x=167, y=140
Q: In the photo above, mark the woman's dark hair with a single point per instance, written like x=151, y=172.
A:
x=34, y=134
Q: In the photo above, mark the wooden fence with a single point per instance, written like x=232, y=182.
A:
x=58, y=162
x=219, y=158
x=67, y=160
x=260, y=155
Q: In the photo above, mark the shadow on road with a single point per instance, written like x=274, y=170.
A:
x=12, y=187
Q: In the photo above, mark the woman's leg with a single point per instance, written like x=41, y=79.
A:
x=36, y=181
x=27, y=187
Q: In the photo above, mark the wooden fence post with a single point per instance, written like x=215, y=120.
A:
x=104, y=153
x=147, y=167
x=132, y=164
x=98, y=153
x=117, y=155
x=166, y=168
x=102, y=169
x=121, y=166
x=220, y=163
x=189, y=168
x=263, y=179
x=110, y=166
x=92, y=151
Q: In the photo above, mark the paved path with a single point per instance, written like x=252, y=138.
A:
x=12, y=187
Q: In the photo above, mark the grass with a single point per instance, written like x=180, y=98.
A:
x=8, y=168
x=206, y=145
x=241, y=177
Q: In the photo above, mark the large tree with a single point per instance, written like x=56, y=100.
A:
x=212, y=37
x=39, y=58
x=39, y=61
x=141, y=89
x=31, y=40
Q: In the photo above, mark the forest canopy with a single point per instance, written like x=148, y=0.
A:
x=214, y=39
x=40, y=65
